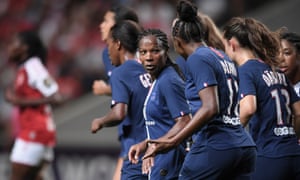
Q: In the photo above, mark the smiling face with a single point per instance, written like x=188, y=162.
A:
x=291, y=61
x=151, y=54
x=107, y=23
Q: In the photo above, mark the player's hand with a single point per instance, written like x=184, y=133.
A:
x=100, y=87
x=96, y=125
x=148, y=162
x=135, y=151
x=159, y=147
x=10, y=96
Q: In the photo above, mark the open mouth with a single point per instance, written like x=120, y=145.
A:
x=284, y=68
x=149, y=67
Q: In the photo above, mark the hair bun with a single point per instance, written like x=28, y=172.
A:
x=186, y=11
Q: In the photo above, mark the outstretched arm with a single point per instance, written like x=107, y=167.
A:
x=114, y=117
x=209, y=108
x=11, y=97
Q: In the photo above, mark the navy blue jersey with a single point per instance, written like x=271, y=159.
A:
x=180, y=61
x=108, y=67
x=166, y=102
x=210, y=67
x=130, y=84
x=271, y=125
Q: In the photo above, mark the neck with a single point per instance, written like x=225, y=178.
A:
x=244, y=55
x=192, y=46
x=294, y=76
x=127, y=56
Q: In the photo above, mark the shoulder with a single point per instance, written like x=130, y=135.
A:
x=127, y=68
x=35, y=68
x=34, y=63
x=170, y=76
x=252, y=65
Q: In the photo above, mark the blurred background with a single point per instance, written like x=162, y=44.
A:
x=69, y=29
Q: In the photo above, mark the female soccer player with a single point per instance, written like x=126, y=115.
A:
x=33, y=92
x=130, y=84
x=267, y=99
x=113, y=16
x=222, y=149
x=166, y=110
x=290, y=44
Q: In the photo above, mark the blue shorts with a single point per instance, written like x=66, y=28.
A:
x=203, y=162
x=277, y=168
x=168, y=165
x=132, y=171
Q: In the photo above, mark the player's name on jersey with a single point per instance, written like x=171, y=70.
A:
x=229, y=67
x=273, y=78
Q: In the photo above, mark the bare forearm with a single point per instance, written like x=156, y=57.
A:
x=202, y=116
x=181, y=122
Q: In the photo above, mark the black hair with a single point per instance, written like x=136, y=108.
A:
x=34, y=43
x=291, y=37
x=188, y=25
x=124, y=13
x=127, y=33
x=162, y=41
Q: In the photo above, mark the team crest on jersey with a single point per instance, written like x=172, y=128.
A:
x=48, y=82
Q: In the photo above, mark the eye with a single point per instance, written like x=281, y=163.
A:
x=155, y=51
x=142, y=52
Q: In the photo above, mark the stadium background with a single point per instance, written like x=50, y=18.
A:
x=69, y=28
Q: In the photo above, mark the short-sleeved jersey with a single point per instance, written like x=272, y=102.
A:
x=297, y=88
x=180, y=61
x=165, y=102
x=108, y=67
x=130, y=84
x=210, y=67
x=34, y=82
x=271, y=125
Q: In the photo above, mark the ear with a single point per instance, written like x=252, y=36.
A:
x=233, y=43
x=118, y=45
x=177, y=42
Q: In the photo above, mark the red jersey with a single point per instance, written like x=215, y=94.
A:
x=34, y=82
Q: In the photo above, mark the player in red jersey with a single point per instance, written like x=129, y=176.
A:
x=33, y=92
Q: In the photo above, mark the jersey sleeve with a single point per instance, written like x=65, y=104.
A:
x=246, y=84
x=201, y=72
x=39, y=78
x=173, y=91
x=120, y=91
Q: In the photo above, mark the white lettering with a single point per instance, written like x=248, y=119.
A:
x=145, y=80
x=283, y=131
x=231, y=120
x=272, y=78
x=150, y=123
x=228, y=67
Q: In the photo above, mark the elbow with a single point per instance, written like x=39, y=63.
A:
x=211, y=111
x=120, y=116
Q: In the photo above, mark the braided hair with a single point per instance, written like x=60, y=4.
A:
x=188, y=25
